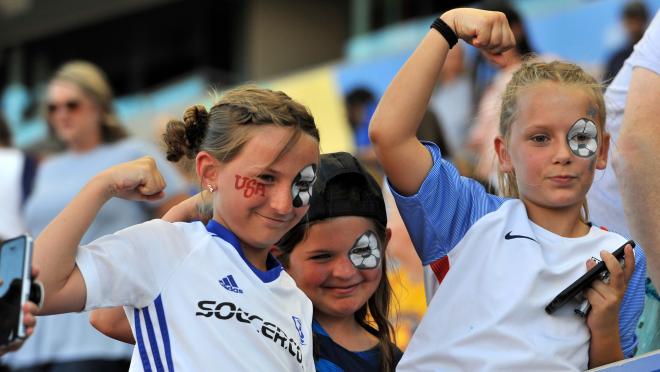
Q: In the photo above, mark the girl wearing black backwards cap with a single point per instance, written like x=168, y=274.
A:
x=337, y=257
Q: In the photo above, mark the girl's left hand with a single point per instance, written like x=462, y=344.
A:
x=195, y=208
x=605, y=299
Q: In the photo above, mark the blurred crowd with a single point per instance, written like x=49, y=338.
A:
x=85, y=137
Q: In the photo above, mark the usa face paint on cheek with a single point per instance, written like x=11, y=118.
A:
x=250, y=186
x=365, y=253
x=582, y=138
x=301, y=187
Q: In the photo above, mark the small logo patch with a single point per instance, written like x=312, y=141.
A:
x=298, y=324
x=508, y=236
x=229, y=284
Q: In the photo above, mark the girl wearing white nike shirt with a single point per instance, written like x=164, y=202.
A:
x=501, y=260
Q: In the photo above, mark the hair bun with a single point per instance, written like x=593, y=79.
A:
x=185, y=138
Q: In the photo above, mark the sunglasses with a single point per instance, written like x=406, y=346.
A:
x=70, y=106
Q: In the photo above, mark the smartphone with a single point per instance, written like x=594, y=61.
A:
x=15, y=272
x=584, y=281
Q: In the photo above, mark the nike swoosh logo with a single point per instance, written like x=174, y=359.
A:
x=508, y=236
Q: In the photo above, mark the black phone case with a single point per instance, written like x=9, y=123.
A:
x=584, y=281
x=14, y=332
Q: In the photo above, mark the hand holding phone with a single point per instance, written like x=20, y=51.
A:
x=585, y=281
x=17, y=288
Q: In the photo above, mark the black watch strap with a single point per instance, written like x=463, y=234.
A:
x=446, y=31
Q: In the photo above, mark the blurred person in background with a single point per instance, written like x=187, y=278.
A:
x=360, y=106
x=18, y=170
x=80, y=115
x=635, y=18
x=632, y=100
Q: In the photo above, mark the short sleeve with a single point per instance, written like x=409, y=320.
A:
x=445, y=207
x=131, y=266
x=632, y=305
x=646, y=53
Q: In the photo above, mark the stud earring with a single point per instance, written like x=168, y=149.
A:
x=211, y=189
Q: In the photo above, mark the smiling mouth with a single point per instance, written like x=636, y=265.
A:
x=277, y=220
x=348, y=288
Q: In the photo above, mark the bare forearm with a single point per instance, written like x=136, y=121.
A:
x=638, y=165
x=394, y=125
x=56, y=247
x=604, y=349
x=404, y=103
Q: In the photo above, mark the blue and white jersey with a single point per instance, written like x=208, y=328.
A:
x=489, y=311
x=195, y=303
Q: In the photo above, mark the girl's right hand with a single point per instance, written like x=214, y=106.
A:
x=482, y=29
x=605, y=298
x=134, y=180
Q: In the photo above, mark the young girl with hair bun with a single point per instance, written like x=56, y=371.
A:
x=501, y=260
x=200, y=297
x=336, y=255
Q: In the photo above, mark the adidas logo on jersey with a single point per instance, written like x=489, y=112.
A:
x=229, y=284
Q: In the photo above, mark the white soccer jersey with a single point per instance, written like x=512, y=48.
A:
x=504, y=325
x=195, y=303
x=498, y=271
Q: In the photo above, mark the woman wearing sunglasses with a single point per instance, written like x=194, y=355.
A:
x=81, y=117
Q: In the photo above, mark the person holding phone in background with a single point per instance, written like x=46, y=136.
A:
x=30, y=310
x=80, y=114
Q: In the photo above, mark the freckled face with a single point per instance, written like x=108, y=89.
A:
x=254, y=198
x=549, y=173
x=322, y=267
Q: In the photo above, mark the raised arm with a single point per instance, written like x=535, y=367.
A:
x=398, y=115
x=637, y=167
x=56, y=247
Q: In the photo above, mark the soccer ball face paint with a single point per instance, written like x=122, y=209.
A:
x=301, y=188
x=322, y=266
x=583, y=138
x=365, y=253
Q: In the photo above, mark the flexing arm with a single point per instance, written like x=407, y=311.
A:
x=637, y=167
x=56, y=247
x=399, y=113
x=113, y=322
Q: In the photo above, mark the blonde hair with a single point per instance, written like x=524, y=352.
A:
x=229, y=124
x=532, y=72
x=94, y=84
